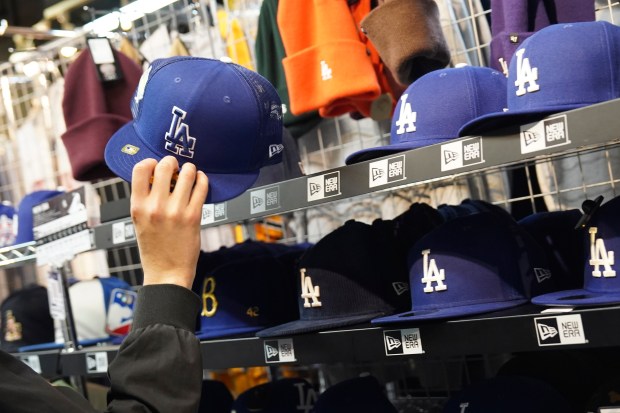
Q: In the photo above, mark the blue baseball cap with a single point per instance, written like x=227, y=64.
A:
x=222, y=117
x=289, y=395
x=470, y=265
x=245, y=295
x=601, y=280
x=350, y=276
x=360, y=395
x=24, y=214
x=434, y=107
x=560, y=67
x=508, y=394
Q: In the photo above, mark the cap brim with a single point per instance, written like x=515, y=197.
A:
x=222, y=187
x=225, y=332
x=373, y=153
x=577, y=298
x=499, y=120
x=308, y=326
x=449, y=312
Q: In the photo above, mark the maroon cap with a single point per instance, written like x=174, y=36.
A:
x=93, y=111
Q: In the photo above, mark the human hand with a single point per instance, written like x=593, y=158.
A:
x=167, y=223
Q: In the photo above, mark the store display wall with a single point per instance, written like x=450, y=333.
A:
x=562, y=181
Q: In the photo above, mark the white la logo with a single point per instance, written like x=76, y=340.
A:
x=178, y=140
x=326, y=72
x=406, y=117
x=309, y=291
x=432, y=274
x=463, y=406
x=600, y=256
x=525, y=74
x=305, y=403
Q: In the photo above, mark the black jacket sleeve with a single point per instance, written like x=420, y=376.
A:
x=158, y=367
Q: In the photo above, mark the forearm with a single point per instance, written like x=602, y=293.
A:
x=159, y=367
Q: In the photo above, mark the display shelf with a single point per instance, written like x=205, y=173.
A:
x=17, y=255
x=557, y=134
x=46, y=362
x=524, y=328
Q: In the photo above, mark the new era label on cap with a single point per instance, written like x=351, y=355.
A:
x=279, y=351
x=402, y=342
x=386, y=171
x=265, y=199
x=545, y=134
x=461, y=153
x=323, y=186
x=560, y=330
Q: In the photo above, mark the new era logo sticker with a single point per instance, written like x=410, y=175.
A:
x=214, y=213
x=461, y=153
x=545, y=134
x=264, y=199
x=560, y=330
x=402, y=342
x=279, y=351
x=386, y=171
x=324, y=186
x=97, y=362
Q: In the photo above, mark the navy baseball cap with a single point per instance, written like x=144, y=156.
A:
x=471, y=206
x=289, y=395
x=560, y=67
x=601, y=281
x=508, y=394
x=360, y=395
x=24, y=214
x=350, y=276
x=556, y=233
x=25, y=319
x=215, y=397
x=245, y=295
x=434, y=107
x=470, y=265
x=222, y=117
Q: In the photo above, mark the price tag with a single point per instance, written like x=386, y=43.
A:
x=33, y=362
x=97, y=362
x=55, y=296
x=60, y=227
